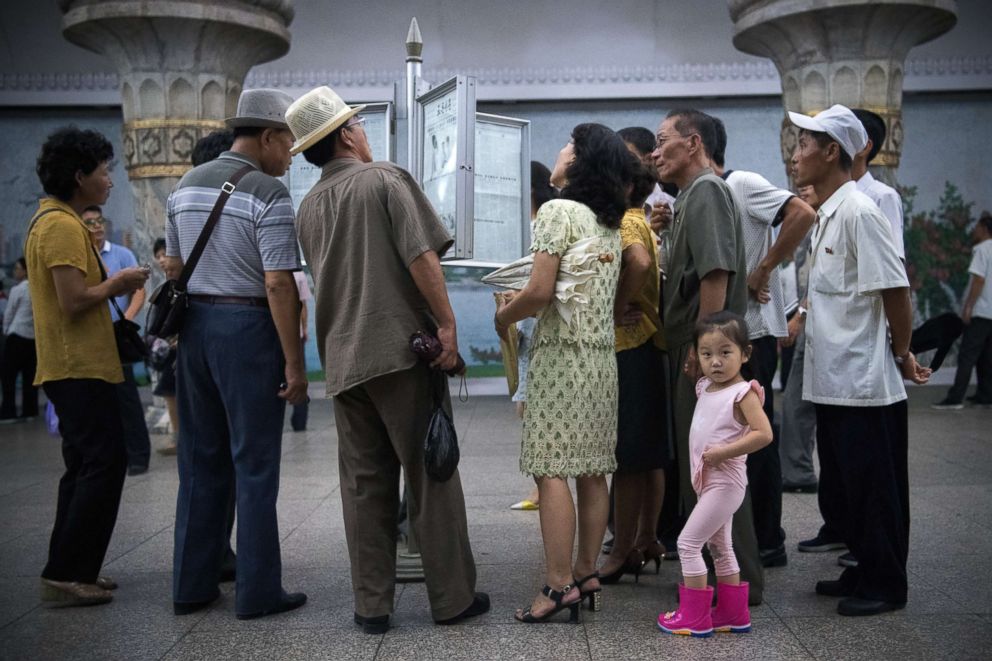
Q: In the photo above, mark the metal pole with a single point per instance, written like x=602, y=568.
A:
x=409, y=565
x=414, y=49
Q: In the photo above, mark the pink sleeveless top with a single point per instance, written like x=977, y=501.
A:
x=713, y=423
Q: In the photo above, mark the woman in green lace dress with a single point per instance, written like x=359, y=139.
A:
x=570, y=424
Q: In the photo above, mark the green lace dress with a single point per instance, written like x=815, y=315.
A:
x=570, y=423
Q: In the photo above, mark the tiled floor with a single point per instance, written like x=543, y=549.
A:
x=948, y=616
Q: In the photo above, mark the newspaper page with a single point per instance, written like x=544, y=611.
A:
x=439, y=150
x=498, y=234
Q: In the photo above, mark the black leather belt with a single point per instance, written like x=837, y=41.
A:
x=230, y=300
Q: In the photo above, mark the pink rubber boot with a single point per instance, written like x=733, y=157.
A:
x=731, y=614
x=693, y=616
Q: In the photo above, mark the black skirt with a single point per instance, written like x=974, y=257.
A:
x=642, y=424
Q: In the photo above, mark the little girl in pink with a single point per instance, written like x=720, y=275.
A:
x=728, y=424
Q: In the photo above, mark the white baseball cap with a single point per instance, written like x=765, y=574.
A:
x=839, y=123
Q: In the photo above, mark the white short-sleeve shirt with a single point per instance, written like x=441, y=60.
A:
x=760, y=203
x=849, y=359
x=889, y=201
x=981, y=265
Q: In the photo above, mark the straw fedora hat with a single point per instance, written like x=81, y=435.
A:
x=315, y=115
x=264, y=108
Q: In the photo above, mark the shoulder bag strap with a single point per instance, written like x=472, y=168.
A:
x=34, y=221
x=208, y=228
x=103, y=276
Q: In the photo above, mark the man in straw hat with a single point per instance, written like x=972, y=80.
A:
x=855, y=366
x=239, y=361
x=374, y=243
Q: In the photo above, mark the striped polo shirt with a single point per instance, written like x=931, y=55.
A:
x=254, y=234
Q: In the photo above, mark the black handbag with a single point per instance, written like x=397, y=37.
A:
x=168, y=304
x=441, y=452
x=130, y=345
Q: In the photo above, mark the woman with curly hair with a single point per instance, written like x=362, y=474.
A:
x=78, y=363
x=570, y=424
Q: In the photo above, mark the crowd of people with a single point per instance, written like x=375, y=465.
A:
x=659, y=373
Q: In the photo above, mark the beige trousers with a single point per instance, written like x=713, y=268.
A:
x=381, y=426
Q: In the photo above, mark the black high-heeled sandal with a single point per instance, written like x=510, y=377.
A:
x=654, y=552
x=594, y=596
x=632, y=564
x=556, y=596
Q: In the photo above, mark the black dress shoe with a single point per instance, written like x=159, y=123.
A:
x=837, y=588
x=478, y=606
x=856, y=606
x=290, y=601
x=374, y=626
x=190, y=607
x=774, y=557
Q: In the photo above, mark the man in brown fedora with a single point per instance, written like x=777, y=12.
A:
x=239, y=360
x=374, y=244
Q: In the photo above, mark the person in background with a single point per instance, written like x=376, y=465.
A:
x=976, y=313
x=886, y=197
x=541, y=190
x=116, y=257
x=570, y=425
x=78, y=363
x=165, y=387
x=642, y=421
x=797, y=435
x=20, y=358
x=298, y=419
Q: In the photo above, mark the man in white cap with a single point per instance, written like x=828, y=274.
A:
x=374, y=244
x=239, y=360
x=855, y=367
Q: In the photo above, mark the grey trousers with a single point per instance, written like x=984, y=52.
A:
x=742, y=531
x=381, y=426
x=797, y=437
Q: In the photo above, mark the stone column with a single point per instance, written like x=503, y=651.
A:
x=182, y=64
x=850, y=52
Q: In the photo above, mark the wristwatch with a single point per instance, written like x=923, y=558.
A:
x=901, y=359
x=802, y=312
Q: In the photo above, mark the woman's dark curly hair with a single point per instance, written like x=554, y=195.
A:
x=67, y=151
x=600, y=174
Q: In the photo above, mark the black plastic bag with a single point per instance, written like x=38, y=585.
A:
x=441, y=443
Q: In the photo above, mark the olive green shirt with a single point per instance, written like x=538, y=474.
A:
x=360, y=228
x=707, y=235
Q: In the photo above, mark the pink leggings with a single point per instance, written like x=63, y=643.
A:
x=710, y=523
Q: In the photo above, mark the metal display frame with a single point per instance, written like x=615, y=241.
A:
x=525, y=202
x=463, y=88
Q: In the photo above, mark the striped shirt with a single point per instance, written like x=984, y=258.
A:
x=254, y=234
